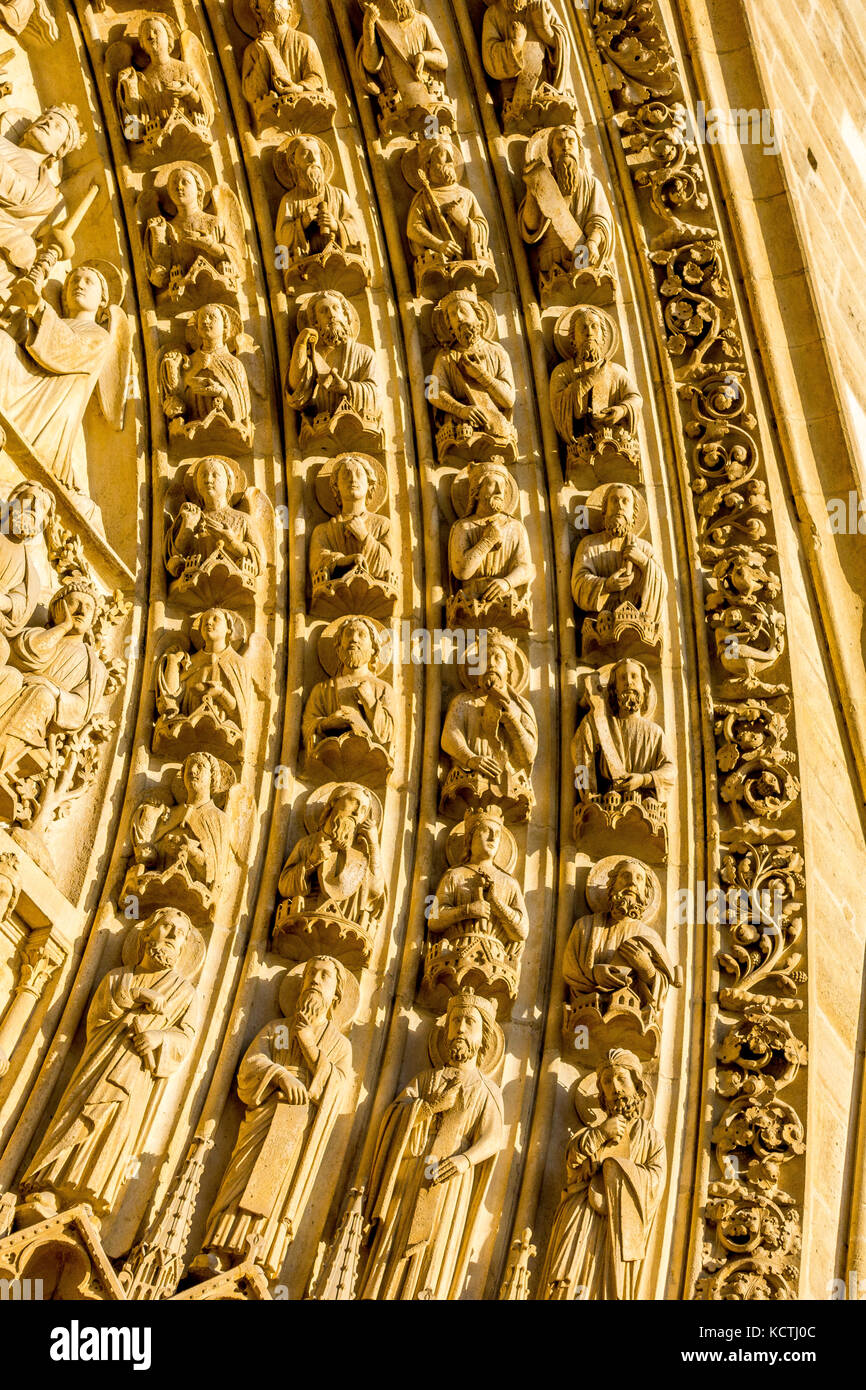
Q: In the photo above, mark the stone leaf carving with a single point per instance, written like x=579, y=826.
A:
x=206, y=390
x=755, y=1245
x=447, y=231
x=490, y=732
x=478, y=920
x=332, y=883
x=434, y=1154
x=193, y=236
x=140, y=1025
x=321, y=242
x=623, y=771
x=471, y=388
x=566, y=215
x=331, y=378
x=696, y=304
x=213, y=547
x=488, y=552
x=732, y=501
x=31, y=167
x=595, y=403
x=403, y=63
x=350, y=719
x=525, y=47
x=283, y=77
x=165, y=103
x=203, y=698
x=616, y=579
x=765, y=883
x=293, y=1081
x=616, y=966
x=352, y=566
x=615, y=1174
x=759, y=785
x=749, y=629
x=638, y=63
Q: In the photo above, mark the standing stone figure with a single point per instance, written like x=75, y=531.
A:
x=332, y=378
x=447, y=231
x=405, y=60
x=140, y=1026
x=595, y=404
x=283, y=76
x=320, y=235
x=30, y=169
x=24, y=566
x=293, y=1080
x=434, y=1155
x=567, y=216
x=615, y=1174
x=616, y=579
x=525, y=46
x=471, y=387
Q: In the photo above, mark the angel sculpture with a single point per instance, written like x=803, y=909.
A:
x=320, y=235
x=206, y=392
x=283, y=76
x=212, y=547
x=191, y=254
x=51, y=363
x=166, y=107
x=203, y=699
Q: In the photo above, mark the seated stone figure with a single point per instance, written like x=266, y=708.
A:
x=595, y=404
x=212, y=548
x=448, y=233
x=30, y=172
x=352, y=566
x=166, y=106
x=478, y=922
x=403, y=58
x=181, y=851
x=471, y=387
x=490, y=734
x=283, y=77
x=332, y=378
x=622, y=771
x=332, y=884
x=320, y=235
x=349, y=720
x=525, y=47
x=566, y=214
x=617, y=580
x=616, y=966
x=488, y=552
x=192, y=253
x=203, y=699
x=206, y=391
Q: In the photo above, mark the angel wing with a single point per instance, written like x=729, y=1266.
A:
x=261, y=513
x=228, y=209
x=259, y=657
x=114, y=379
x=118, y=55
x=248, y=352
x=194, y=56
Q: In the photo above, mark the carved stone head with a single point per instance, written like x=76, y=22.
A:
x=491, y=488
x=213, y=480
x=470, y=1028
x=621, y=1084
x=187, y=188
x=76, y=601
x=483, y=834
x=85, y=292
x=629, y=688
x=358, y=644
x=163, y=938
x=55, y=133
x=630, y=891
x=157, y=37
x=620, y=510
x=352, y=481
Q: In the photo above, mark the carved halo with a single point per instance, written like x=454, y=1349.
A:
x=492, y=1047
x=237, y=484
x=318, y=801
x=518, y=661
x=306, y=302
x=237, y=628
x=330, y=636
x=460, y=487
x=350, y=993
x=597, y=499
x=563, y=331
x=586, y=1093
x=134, y=28
x=247, y=18
x=115, y=281
x=222, y=777
x=486, y=310
x=324, y=489
x=165, y=171
x=457, y=845
x=598, y=884
x=538, y=145
x=282, y=164
x=599, y=682
x=191, y=957
x=417, y=155
x=231, y=319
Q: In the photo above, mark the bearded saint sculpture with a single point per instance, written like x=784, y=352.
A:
x=566, y=214
x=404, y=60
x=488, y=552
x=525, y=47
x=320, y=235
x=616, y=579
x=332, y=378
x=471, y=387
x=595, y=404
x=283, y=76
x=447, y=231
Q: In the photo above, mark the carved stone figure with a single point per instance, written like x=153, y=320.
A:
x=405, y=60
x=351, y=557
x=283, y=77
x=192, y=254
x=616, y=966
x=749, y=629
x=623, y=773
x=333, y=883
x=165, y=105
x=478, y=922
x=488, y=552
x=206, y=391
x=448, y=233
x=349, y=720
x=181, y=850
x=567, y=216
x=490, y=734
x=30, y=169
x=471, y=387
x=140, y=1025
x=433, y=1158
x=51, y=363
x=595, y=404
x=615, y=1174
x=203, y=699
x=616, y=578
x=320, y=235
x=24, y=568
x=293, y=1081
x=19, y=15
x=212, y=548
x=332, y=378
x=525, y=46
